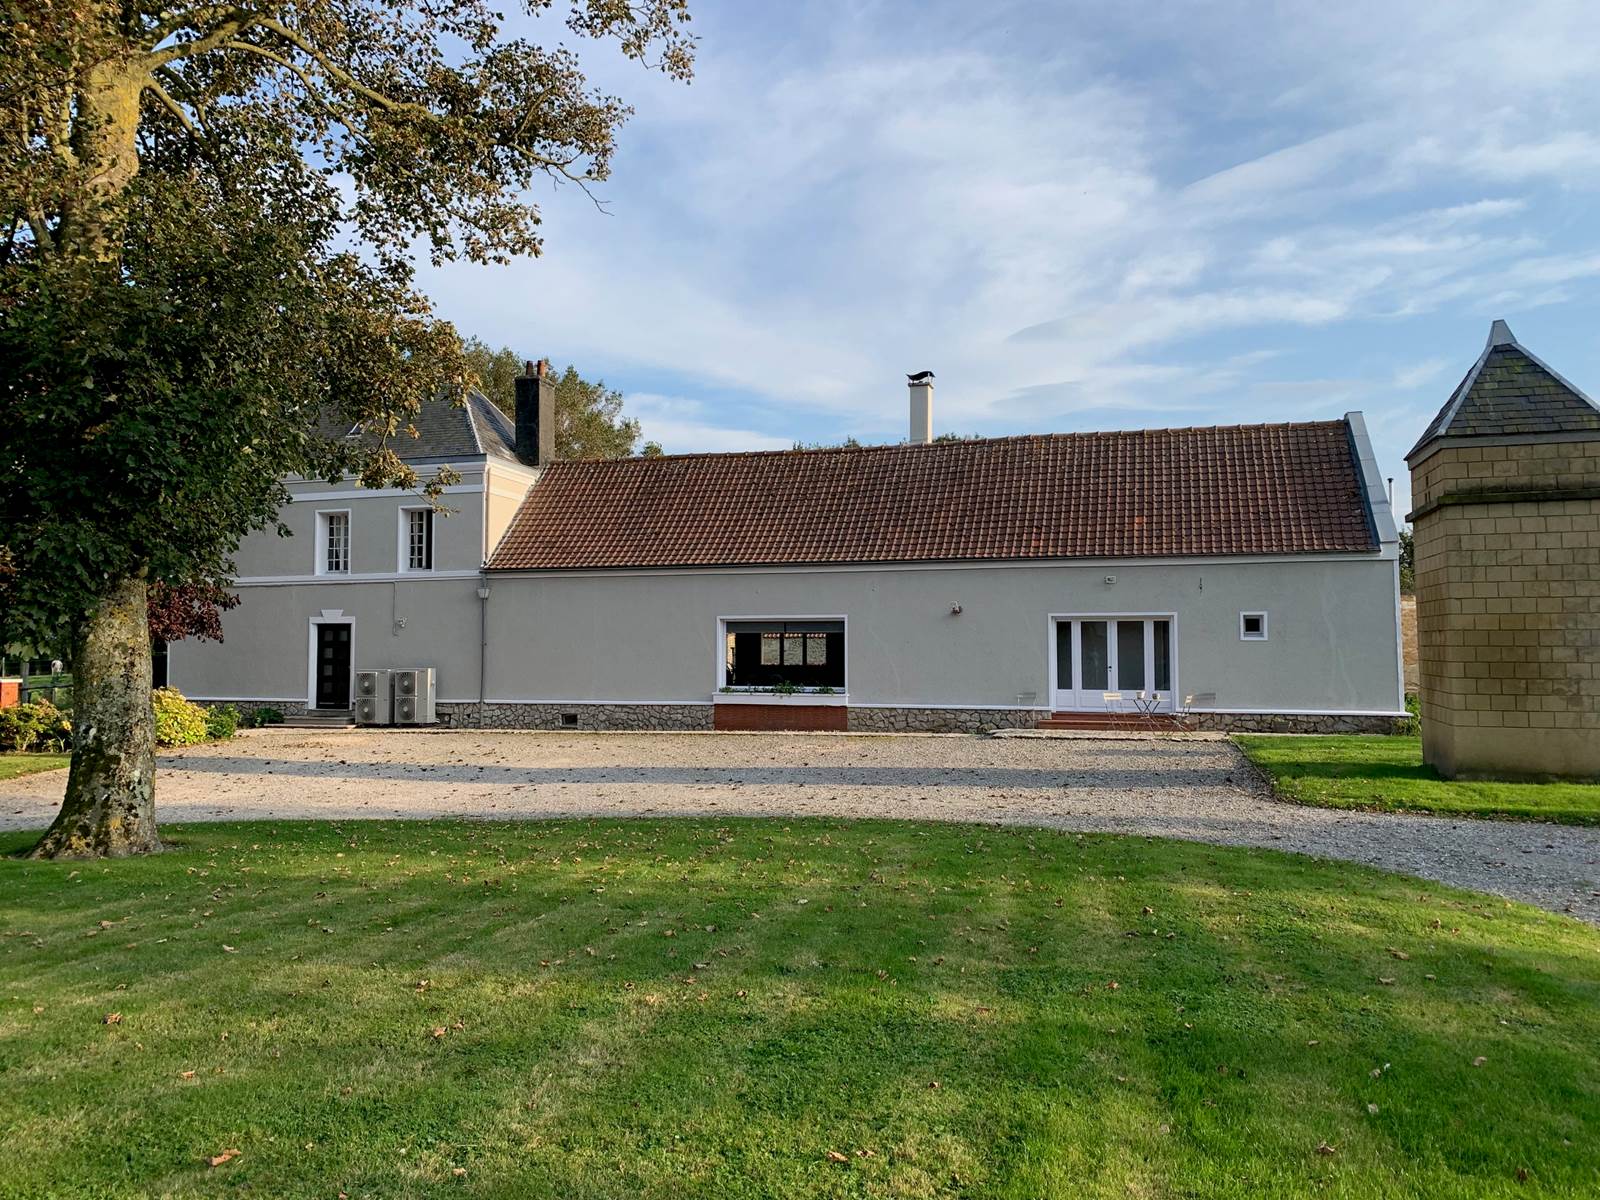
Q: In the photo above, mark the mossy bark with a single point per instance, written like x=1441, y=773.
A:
x=110, y=806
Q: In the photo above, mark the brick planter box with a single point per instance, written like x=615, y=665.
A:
x=770, y=711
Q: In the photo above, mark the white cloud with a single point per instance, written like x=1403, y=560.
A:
x=680, y=425
x=1065, y=233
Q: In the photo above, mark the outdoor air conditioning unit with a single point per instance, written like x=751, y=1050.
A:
x=374, y=703
x=413, y=695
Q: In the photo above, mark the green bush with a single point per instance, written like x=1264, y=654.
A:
x=222, y=722
x=1412, y=725
x=268, y=716
x=179, y=722
x=38, y=726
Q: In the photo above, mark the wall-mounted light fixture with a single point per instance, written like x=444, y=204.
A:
x=955, y=610
x=1110, y=579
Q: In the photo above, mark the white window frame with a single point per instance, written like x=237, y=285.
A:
x=721, y=677
x=1053, y=684
x=323, y=515
x=1253, y=637
x=402, y=563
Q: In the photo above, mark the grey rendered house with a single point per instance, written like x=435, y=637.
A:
x=928, y=585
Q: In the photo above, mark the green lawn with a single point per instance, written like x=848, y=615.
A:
x=1386, y=773
x=12, y=765
x=688, y=1008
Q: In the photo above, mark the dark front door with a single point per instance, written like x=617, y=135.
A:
x=333, y=666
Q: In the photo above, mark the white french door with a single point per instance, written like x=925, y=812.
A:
x=1096, y=655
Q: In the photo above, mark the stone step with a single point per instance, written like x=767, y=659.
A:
x=321, y=720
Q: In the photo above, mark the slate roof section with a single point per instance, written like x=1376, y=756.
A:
x=1509, y=392
x=1242, y=489
x=446, y=432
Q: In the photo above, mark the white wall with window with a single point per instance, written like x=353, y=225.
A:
x=1163, y=627
x=333, y=542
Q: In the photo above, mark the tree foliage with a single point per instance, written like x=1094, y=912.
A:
x=189, y=610
x=589, y=420
x=209, y=212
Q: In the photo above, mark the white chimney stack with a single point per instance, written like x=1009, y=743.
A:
x=921, y=385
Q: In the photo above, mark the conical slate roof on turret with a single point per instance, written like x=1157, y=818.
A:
x=1510, y=392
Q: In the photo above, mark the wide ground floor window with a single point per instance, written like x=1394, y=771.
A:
x=807, y=654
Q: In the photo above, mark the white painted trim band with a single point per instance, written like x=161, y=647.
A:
x=361, y=493
x=366, y=577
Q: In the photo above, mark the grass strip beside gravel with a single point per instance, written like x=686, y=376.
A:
x=1386, y=774
x=14, y=765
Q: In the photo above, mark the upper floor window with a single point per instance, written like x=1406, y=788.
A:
x=416, y=533
x=333, y=543
x=1253, y=627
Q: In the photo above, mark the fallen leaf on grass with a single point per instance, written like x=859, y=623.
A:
x=185, y=1074
x=1479, y=1061
x=835, y=1156
x=229, y=949
x=1400, y=954
x=216, y=1160
x=1386, y=980
x=1324, y=1149
x=111, y=1019
x=437, y=1031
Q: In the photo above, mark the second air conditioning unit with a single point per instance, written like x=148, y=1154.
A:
x=413, y=696
x=374, y=701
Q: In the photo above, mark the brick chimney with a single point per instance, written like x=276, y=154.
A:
x=921, y=386
x=536, y=414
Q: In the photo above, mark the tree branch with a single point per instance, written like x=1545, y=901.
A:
x=339, y=75
x=176, y=109
x=235, y=22
x=312, y=87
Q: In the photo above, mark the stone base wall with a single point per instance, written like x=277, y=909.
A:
x=669, y=718
x=665, y=717
x=942, y=720
x=1293, y=723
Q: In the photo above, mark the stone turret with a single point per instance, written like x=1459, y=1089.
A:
x=1506, y=488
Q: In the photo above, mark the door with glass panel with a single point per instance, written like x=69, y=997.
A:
x=1096, y=655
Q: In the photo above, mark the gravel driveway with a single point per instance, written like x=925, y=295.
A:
x=1198, y=788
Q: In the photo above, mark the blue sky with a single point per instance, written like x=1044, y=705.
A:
x=1079, y=215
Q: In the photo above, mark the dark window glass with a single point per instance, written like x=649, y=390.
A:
x=1130, y=656
x=1064, y=655
x=1163, y=656
x=1096, y=657
x=808, y=654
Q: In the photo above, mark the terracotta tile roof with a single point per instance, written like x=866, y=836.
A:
x=1243, y=489
x=1510, y=392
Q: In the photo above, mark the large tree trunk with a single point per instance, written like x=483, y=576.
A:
x=110, y=806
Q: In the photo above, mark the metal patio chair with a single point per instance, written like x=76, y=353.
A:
x=1191, y=702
